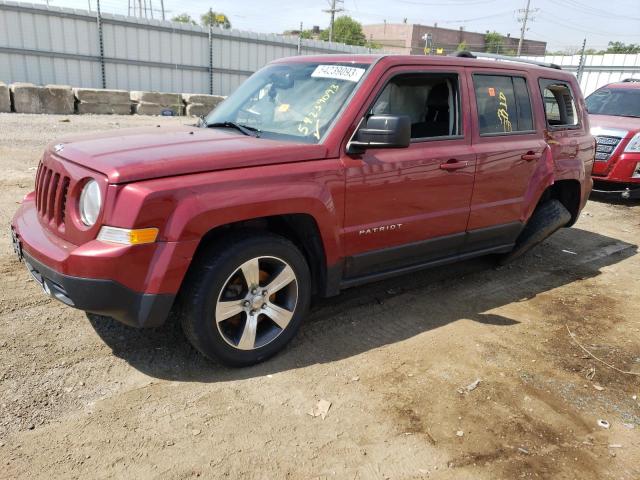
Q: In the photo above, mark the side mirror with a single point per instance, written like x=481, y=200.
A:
x=382, y=131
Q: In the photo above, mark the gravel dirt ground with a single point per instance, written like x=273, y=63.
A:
x=88, y=398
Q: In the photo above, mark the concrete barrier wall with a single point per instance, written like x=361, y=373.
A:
x=28, y=98
x=97, y=101
x=64, y=100
x=5, y=98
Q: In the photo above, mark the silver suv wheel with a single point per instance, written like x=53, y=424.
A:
x=256, y=303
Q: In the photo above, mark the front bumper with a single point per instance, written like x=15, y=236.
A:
x=103, y=297
x=134, y=285
x=620, y=168
x=622, y=190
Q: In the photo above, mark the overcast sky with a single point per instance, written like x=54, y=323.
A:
x=561, y=23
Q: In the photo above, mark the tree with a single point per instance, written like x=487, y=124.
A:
x=621, y=47
x=217, y=19
x=184, y=18
x=462, y=46
x=307, y=34
x=492, y=42
x=345, y=30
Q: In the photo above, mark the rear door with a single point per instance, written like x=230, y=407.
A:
x=405, y=206
x=509, y=147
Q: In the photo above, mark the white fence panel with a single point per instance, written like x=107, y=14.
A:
x=598, y=69
x=41, y=45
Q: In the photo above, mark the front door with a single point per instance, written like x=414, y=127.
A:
x=406, y=206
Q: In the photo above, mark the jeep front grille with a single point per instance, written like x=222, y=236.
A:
x=605, y=146
x=51, y=195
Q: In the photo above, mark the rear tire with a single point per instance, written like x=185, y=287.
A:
x=245, y=298
x=546, y=220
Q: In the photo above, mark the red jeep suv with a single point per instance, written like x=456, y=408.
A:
x=317, y=174
x=614, y=112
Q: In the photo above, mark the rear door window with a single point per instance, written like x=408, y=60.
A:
x=559, y=104
x=504, y=104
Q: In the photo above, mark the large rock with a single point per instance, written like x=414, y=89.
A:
x=104, y=108
x=57, y=99
x=154, y=109
x=197, y=109
x=97, y=95
x=93, y=100
x=5, y=98
x=26, y=98
x=199, y=104
x=158, y=98
x=153, y=103
x=210, y=100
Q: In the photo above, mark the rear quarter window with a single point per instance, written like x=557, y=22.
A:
x=559, y=104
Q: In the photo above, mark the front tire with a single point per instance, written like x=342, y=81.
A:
x=245, y=298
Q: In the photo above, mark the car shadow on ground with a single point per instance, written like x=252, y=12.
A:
x=371, y=316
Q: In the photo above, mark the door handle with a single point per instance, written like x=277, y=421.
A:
x=531, y=156
x=453, y=164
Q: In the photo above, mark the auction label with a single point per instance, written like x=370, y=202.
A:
x=338, y=72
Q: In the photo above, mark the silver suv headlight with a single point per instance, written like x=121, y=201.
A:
x=90, y=203
x=634, y=144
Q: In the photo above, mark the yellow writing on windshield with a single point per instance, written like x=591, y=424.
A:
x=312, y=119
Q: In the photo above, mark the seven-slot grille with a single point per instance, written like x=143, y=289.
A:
x=605, y=146
x=51, y=195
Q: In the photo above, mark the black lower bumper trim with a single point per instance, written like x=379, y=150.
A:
x=102, y=297
x=615, y=189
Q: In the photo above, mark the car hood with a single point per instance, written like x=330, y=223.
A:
x=630, y=124
x=130, y=155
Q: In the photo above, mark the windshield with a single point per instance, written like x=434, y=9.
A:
x=296, y=101
x=621, y=102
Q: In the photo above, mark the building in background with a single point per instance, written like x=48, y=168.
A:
x=409, y=38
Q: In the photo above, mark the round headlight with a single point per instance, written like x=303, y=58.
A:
x=90, y=203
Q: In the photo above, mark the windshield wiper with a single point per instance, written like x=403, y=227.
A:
x=245, y=129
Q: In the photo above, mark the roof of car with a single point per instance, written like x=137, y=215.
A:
x=631, y=83
x=440, y=60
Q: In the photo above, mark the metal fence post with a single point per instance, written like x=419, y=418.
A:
x=581, y=62
x=210, y=52
x=101, y=45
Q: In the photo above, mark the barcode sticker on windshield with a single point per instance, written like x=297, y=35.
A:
x=338, y=72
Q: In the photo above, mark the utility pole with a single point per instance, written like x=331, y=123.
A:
x=300, y=40
x=524, y=20
x=162, y=7
x=333, y=10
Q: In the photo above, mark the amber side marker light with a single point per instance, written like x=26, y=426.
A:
x=126, y=236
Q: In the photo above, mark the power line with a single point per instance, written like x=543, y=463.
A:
x=589, y=10
x=602, y=33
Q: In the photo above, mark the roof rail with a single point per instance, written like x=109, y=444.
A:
x=467, y=54
x=631, y=80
